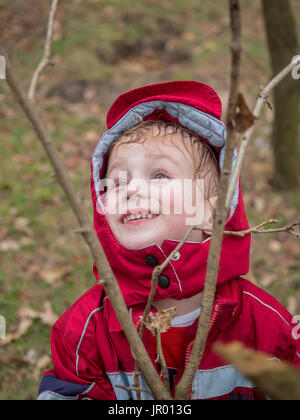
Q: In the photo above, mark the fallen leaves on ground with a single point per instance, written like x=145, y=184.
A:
x=27, y=315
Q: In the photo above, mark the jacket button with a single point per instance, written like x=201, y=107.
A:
x=163, y=281
x=151, y=260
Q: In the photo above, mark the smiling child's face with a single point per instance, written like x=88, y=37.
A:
x=152, y=194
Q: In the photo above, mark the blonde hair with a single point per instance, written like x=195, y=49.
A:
x=202, y=155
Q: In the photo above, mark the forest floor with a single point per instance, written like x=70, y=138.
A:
x=101, y=49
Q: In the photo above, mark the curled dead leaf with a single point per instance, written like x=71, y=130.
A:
x=161, y=321
x=243, y=118
x=280, y=381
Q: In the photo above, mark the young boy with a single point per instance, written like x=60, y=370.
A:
x=155, y=171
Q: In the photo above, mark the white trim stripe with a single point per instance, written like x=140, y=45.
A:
x=127, y=379
x=218, y=382
x=207, y=384
x=267, y=306
x=83, y=333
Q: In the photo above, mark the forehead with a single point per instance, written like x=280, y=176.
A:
x=166, y=144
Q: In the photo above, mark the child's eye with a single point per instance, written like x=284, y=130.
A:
x=160, y=175
x=121, y=183
x=113, y=185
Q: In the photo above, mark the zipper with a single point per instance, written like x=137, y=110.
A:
x=212, y=322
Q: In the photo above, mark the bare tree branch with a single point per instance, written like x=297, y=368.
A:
x=236, y=49
x=47, y=52
x=154, y=280
x=224, y=200
x=212, y=271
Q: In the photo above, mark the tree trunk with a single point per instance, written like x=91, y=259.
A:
x=283, y=45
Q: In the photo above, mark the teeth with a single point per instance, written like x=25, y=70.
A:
x=138, y=216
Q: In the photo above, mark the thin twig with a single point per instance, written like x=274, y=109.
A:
x=45, y=61
x=161, y=360
x=175, y=250
x=261, y=100
x=154, y=280
x=257, y=229
x=134, y=388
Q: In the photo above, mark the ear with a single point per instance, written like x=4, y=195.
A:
x=209, y=209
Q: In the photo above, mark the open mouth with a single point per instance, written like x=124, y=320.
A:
x=140, y=217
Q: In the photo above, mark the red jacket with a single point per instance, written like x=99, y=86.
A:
x=91, y=355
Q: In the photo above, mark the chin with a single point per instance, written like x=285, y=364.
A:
x=133, y=245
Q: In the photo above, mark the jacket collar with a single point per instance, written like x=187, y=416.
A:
x=226, y=309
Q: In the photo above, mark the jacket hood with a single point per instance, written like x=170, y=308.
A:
x=196, y=107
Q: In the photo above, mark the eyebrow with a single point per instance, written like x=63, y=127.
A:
x=158, y=157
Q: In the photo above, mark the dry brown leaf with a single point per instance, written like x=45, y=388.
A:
x=48, y=317
x=22, y=329
x=9, y=245
x=41, y=364
x=280, y=381
x=161, y=321
x=21, y=225
x=51, y=275
x=27, y=315
x=244, y=118
x=3, y=231
x=274, y=245
x=267, y=279
x=91, y=136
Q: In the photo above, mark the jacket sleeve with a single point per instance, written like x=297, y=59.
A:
x=64, y=382
x=276, y=331
x=287, y=333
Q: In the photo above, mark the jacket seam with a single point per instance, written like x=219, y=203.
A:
x=82, y=335
x=267, y=306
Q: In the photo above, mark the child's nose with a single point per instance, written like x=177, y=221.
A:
x=137, y=187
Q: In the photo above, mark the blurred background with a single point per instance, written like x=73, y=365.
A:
x=102, y=48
